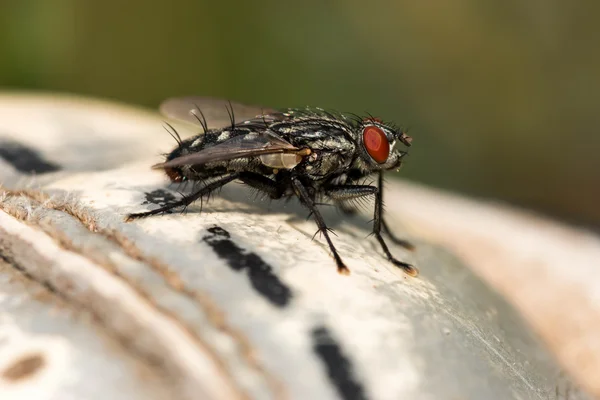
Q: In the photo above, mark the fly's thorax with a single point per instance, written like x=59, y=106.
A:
x=323, y=164
x=217, y=136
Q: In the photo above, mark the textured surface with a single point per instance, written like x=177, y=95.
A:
x=238, y=301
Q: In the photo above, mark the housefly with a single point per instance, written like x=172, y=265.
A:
x=312, y=154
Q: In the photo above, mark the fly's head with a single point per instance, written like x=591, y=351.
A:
x=377, y=144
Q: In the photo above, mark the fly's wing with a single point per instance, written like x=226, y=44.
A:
x=217, y=113
x=250, y=145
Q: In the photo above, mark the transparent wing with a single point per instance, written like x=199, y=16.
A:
x=242, y=146
x=216, y=112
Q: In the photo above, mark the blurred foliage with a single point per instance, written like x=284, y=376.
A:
x=502, y=97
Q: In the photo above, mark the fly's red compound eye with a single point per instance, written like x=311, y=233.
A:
x=376, y=143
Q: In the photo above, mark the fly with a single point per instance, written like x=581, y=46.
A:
x=310, y=153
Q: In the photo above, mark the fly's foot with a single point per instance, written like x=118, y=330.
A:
x=133, y=216
x=162, y=210
x=341, y=267
x=343, y=270
x=409, y=269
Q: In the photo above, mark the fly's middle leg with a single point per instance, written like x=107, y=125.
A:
x=309, y=203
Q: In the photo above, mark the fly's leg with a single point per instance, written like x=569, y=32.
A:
x=377, y=222
x=259, y=182
x=349, y=192
x=309, y=203
x=187, y=200
x=349, y=210
x=344, y=193
x=400, y=242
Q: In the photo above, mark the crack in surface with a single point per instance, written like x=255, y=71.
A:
x=211, y=310
x=145, y=362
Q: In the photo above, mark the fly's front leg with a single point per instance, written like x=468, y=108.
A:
x=378, y=222
x=309, y=203
x=401, y=242
x=350, y=192
x=187, y=200
x=342, y=194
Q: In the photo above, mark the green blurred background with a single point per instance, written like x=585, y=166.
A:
x=502, y=97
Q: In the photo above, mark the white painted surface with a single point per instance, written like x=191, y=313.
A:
x=158, y=297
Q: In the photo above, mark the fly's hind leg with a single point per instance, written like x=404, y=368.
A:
x=187, y=200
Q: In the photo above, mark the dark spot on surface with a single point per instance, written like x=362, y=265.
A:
x=23, y=367
x=25, y=159
x=159, y=197
x=260, y=273
x=337, y=364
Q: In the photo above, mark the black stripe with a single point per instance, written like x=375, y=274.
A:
x=260, y=273
x=339, y=368
x=159, y=197
x=25, y=159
